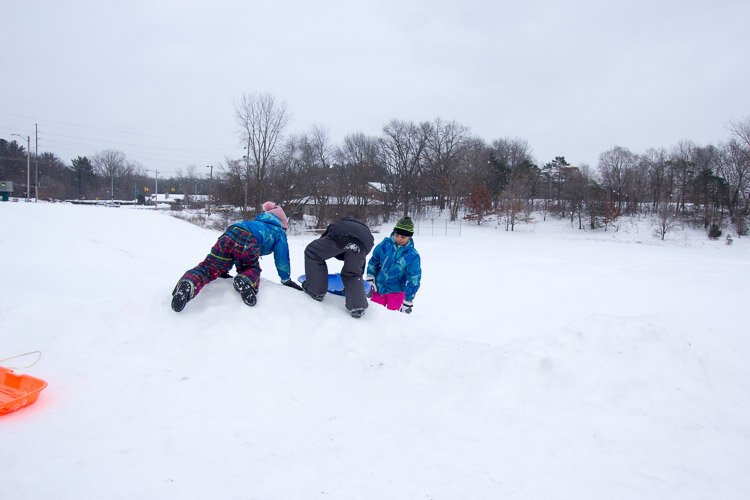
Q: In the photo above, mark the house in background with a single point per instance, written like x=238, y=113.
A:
x=376, y=191
x=176, y=199
x=168, y=198
x=323, y=210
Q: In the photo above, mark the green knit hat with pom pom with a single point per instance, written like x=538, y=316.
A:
x=404, y=227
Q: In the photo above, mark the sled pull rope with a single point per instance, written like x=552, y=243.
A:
x=38, y=357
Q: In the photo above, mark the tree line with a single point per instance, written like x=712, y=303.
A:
x=412, y=167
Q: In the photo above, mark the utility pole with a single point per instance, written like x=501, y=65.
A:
x=36, y=164
x=210, y=179
x=156, y=189
x=28, y=164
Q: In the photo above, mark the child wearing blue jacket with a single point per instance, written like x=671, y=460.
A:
x=395, y=270
x=241, y=246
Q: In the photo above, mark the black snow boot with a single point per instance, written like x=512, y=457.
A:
x=246, y=289
x=319, y=298
x=357, y=313
x=182, y=293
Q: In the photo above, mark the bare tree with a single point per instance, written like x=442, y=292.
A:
x=187, y=183
x=320, y=169
x=479, y=204
x=741, y=130
x=655, y=161
x=512, y=151
x=231, y=188
x=682, y=172
x=736, y=171
x=359, y=154
x=666, y=219
x=734, y=167
x=512, y=204
x=505, y=155
x=262, y=119
x=574, y=192
x=518, y=193
x=403, y=148
x=472, y=170
x=446, y=142
x=616, y=167
x=111, y=163
x=290, y=179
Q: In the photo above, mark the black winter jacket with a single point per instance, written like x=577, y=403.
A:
x=350, y=230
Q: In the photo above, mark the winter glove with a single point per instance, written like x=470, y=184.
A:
x=406, y=306
x=371, y=280
x=292, y=284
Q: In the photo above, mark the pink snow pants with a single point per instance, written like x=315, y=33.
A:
x=392, y=301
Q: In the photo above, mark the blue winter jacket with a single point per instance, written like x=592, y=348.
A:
x=396, y=268
x=271, y=238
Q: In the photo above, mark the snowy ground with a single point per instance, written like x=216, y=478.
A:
x=544, y=363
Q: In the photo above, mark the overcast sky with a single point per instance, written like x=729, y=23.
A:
x=159, y=79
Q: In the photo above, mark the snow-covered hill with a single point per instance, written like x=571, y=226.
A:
x=536, y=364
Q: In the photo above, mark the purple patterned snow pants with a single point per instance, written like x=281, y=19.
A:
x=236, y=247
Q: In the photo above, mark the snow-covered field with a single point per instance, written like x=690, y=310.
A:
x=544, y=363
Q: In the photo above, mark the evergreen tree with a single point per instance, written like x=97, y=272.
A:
x=83, y=174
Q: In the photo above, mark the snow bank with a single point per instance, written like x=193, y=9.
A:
x=535, y=365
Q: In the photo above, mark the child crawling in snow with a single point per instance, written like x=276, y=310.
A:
x=241, y=246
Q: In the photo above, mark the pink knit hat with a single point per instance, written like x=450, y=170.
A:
x=273, y=208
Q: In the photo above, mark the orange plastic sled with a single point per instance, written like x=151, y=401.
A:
x=17, y=391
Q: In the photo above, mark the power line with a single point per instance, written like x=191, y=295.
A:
x=140, y=158
x=62, y=141
x=152, y=156
x=114, y=130
x=127, y=143
x=62, y=164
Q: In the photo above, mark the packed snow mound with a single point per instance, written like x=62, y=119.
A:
x=532, y=367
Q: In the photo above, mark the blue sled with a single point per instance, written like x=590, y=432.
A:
x=336, y=285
